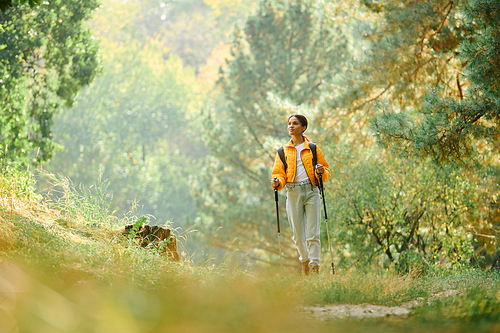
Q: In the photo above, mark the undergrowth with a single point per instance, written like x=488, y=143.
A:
x=71, y=269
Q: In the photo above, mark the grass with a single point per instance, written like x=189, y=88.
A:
x=62, y=272
x=387, y=288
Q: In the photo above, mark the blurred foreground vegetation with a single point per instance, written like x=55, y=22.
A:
x=63, y=272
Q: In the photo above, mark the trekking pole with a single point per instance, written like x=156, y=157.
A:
x=326, y=221
x=278, y=223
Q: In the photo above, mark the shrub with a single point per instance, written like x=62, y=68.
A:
x=401, y=213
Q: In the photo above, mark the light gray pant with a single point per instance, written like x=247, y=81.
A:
x=303, y=208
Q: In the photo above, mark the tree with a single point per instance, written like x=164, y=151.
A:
x=399, y=49
x=193, y=28
x=132, y=125
x=49, y=56
x=462, y=128
x=458, y=128
x=404, y=213
x=281, y=60
x=137, y=122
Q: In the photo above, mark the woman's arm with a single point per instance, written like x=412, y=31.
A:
x=279, y=172
x=321, y=160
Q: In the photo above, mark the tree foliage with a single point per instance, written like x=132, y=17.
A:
x=456, y=118
x=49, y=55
x=280, y=61
x=456, y=129
x=399, y=48
x=132, y=126
x=403, y=213
x=191, y=29
x=6, y=4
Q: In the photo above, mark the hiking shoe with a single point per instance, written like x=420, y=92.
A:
x=315, y=270
x=305, y=267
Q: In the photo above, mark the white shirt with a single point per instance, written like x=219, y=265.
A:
x=300, y=171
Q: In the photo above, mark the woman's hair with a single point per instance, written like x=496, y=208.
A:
x=301, y=118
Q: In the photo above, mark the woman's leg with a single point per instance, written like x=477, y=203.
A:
x=295, y=214
x=312, y=206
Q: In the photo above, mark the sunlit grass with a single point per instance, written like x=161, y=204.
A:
x=62, y=273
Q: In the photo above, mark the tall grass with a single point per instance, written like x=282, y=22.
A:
x=92, y=204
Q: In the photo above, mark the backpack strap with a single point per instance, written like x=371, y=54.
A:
x=312, y=145
x=281, y=153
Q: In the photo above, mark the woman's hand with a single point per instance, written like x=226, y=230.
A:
x=320, y=168
x=275, y=183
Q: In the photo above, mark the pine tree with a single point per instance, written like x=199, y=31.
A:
x=455, y=129
x=282, y=60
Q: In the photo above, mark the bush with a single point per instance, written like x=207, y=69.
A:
x=401, y=213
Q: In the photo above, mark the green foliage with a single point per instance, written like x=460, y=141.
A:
x=450, y=129
x=49, y=56
x=397, y=212
x=135, y=227
x=281, y=61
x=6, y=4
x=481, y=52
x=17, y=183
x=133, y=126
x=458, y=128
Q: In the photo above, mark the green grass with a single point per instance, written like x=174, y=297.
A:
x=73, y=275
x=387, y=288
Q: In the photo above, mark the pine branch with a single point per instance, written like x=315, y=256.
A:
x=253, y=133
x=440, y=29
x=331, y=127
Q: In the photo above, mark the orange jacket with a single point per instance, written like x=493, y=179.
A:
x=290, y=157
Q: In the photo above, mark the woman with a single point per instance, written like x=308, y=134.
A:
x=303, y=204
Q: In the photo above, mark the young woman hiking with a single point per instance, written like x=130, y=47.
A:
x=303, y=204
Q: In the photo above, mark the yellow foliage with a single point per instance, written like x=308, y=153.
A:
x=208, y=74
x=114, y=15
x=230, y=7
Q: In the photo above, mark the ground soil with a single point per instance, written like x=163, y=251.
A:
x=341, y=311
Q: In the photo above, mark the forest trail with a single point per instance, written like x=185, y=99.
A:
x=343, y=311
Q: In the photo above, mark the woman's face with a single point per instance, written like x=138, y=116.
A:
x=295, y=126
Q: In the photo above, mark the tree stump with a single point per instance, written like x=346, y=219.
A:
x=161, y=238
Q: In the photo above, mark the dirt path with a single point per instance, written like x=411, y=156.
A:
x=340, y=311
x=361, y=311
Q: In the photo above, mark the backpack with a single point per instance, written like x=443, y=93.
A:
x=312, y=145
